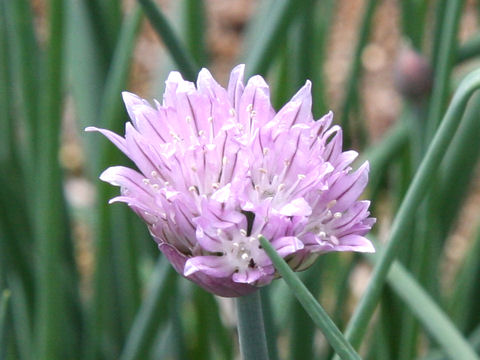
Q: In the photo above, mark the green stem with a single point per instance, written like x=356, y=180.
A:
x=4, y=300
x=312, y=307
x=251, y=330
x=406, y=213
x=354, y=74
x=272, y=36
x=152, y=313
x=469, y=49
x=444, y=62
x=160, y=23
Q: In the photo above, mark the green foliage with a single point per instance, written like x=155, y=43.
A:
x=136, y=307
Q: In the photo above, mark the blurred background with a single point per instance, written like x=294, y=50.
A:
x=84, y=280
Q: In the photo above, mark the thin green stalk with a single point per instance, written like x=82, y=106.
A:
x=49, y=218
x=317, y=313
x=111, y=107
x=103, y=316
x=381, y=154
x=430, y=314
x=464, y=298
x=21, y=319
x=195, y=30
x=152, y=313
x=270, y=323
x=458, y=167
x=302, y=329
x=27, y=61
x=323, y=18
x=473, y=339
x=406, y=213
x=444, y=63
x=251, y=331
x=4, y=301
x=304, y=39
x=469, y=49
x=354, y=75
x=182, y=58
x=261, y=54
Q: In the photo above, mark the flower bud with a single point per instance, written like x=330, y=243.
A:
x=412, y=74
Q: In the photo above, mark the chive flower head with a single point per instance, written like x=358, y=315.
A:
x=219, y=167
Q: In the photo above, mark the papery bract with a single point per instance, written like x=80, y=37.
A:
x=218, y=168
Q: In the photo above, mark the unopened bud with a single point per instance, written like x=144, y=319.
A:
x=412, y=74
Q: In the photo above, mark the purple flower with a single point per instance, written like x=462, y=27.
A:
x=218, y=168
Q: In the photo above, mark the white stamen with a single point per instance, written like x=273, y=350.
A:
x=334, y=240
x=244, y=256
x=154, y=174
x=265, y=151
x=224, y=160
x=232, y=112
x=155, y=186
x=281, y=187
x=210, y=119
x=337, y=215
x=331, y=204
x=250, y=107
x=322, y=234
x=216, y=186
x=146, y=181
x=243, y=232
x=301, y=176
x=201, y=132
x=262, y=170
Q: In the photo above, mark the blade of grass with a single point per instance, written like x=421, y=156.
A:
x=182, y=58
x=152, y=313
x=469, y=49
x=260, y=54
x=429, y=313
x=305, y=44
x=49, y=219
x=302, y=329
x=21, y=319
x=251, y=331
x=444, y=63
x=270, y=323
x=354, y=74
x=323, y=19
x=195, y=30
x=381, y=154
x=406, y=212
x=458, y=167
x=103, y=317
x=26, y=54
x=473, y=339
x=317, y=313
x=4, y=302
x=465, y=294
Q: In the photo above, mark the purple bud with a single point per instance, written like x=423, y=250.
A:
x=412, y=74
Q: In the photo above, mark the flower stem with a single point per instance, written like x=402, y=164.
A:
x=251, y=331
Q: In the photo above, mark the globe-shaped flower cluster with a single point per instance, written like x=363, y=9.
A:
x=219, y=167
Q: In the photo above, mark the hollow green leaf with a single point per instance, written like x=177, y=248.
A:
x=179, y=54
x=152, y=313
x=317, y=313
x=406, y=212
